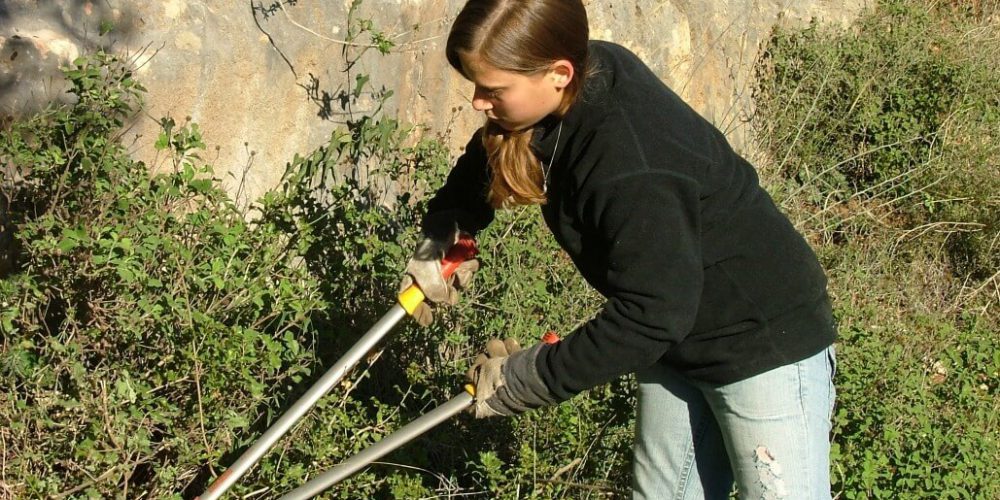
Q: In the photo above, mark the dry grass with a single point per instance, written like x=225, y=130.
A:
x=880, y=144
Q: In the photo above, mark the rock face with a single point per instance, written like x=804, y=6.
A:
x=276, y=77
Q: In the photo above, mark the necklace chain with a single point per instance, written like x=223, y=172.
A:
x=546, y=169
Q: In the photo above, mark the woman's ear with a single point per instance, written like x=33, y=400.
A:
x=562, y=73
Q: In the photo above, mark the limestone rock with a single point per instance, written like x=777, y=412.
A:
x=276, y=77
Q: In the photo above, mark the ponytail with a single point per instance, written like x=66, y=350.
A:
x=515, y=173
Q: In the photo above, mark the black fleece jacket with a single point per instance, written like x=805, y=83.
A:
x=700, y=269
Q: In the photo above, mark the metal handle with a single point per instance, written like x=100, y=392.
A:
x=463, y=250
x=399, y=438
x=304, y=404
x=376, y=451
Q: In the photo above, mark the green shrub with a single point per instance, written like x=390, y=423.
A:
x=147, y=325
x=882, y=140
x=916, y=421
x=890, y=124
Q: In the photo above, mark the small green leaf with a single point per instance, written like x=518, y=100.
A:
x=67, y=244
x=360, y=82
x=126, y=274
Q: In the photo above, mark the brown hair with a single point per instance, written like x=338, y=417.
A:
x=520, y=36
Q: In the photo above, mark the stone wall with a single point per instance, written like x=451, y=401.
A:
x=270, y=78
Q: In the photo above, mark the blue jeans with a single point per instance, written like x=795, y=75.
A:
x=769, y=434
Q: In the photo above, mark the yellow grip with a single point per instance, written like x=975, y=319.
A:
x=471, y=389
x=411, y=298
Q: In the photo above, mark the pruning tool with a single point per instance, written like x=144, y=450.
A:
x=402, y=436
x=408, y=301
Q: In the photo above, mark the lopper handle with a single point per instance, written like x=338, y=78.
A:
x=395, y=440
x=550, y=337
x=463, y=250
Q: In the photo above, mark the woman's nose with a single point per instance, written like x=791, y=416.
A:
x=481, y=101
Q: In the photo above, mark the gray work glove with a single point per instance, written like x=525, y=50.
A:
x=424, y=269
x=506, y=380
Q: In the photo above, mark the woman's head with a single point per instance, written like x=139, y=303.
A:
x=527, y=59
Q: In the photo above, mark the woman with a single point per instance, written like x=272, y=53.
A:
x=714, y=301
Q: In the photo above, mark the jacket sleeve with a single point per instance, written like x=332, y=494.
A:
x=462, y=199
x=649, y=225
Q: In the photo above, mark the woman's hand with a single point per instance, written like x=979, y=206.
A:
x=506, y=380
x=424, y=270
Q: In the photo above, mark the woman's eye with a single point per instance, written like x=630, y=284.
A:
x=495, y=94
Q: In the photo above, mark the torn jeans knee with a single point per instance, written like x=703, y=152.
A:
x=770, y=473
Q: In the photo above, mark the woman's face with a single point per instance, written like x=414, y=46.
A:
x=513, y=100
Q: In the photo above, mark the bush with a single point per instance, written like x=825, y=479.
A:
x=891, y=124
x=147, y=325
x=882, y=146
